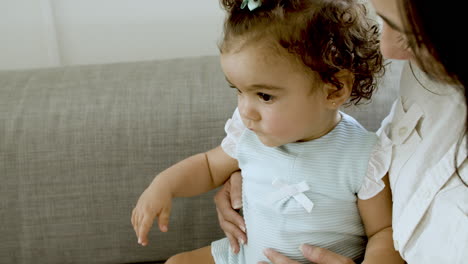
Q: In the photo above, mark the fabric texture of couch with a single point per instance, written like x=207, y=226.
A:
x=79, y=144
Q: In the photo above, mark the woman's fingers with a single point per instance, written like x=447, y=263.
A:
x=231, y=238
x=226, y=213
x=323, y=256
x=236, y=190
x=232, y=231
x=234, y=243
x=277, y=258
x=229, y=219
x=314, y=254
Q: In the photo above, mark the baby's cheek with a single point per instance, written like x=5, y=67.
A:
x=283, y=130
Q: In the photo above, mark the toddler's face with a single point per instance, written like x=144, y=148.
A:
x=277, y=99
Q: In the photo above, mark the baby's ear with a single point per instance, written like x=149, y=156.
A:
x=335, y=96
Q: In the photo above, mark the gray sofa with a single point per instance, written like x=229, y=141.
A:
x=79, y=144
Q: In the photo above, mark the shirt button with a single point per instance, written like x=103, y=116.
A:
x=402, y=131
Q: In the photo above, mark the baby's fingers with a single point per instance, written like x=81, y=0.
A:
x=163, y=219
x=134, y=222
x=144, y=225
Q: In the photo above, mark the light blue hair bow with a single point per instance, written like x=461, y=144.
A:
x=251, y=4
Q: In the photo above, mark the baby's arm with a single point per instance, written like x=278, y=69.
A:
x=197, y=174
x=189, y=177
x=376, y=214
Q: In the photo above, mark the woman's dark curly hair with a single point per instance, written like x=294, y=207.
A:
x=327, y=35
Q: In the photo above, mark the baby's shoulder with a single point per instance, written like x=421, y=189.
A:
x=353, y=128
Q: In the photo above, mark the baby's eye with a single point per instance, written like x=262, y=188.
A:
x=265, y=97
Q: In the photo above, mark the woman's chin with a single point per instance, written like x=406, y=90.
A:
x=402, y=55
x=396, y=53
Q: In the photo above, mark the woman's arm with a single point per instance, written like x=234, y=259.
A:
x=376, y=214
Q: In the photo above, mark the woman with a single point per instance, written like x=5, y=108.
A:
x=427, y=128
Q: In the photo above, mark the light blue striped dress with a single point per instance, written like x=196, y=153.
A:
x=302, y=193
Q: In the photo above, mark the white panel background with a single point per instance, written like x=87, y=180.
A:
x=44, y=33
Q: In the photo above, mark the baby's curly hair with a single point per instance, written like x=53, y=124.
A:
x=327, y=36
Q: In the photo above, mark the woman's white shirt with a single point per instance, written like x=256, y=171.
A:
x=430, y=202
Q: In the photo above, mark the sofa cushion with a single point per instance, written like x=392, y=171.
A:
x=79, y=145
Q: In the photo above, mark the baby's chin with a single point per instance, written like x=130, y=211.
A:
x=275, y=142
x=270, y=142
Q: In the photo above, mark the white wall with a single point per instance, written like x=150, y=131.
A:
x=25, y=35
x=44, y=33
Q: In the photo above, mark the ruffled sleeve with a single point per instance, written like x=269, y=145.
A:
x=234, y=129
x=379, y=164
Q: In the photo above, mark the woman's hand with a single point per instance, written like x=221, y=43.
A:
x=153, y=202
x=314, y=254
x=227, y=200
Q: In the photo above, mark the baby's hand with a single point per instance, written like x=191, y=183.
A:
x=151, y=204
